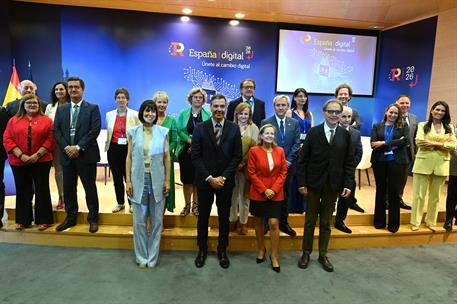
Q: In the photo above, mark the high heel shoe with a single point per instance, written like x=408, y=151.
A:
x=277, y=268
x=261, y=260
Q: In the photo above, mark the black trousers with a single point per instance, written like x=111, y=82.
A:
x=205, y=202
x=287, y=195
x=404, y=179
x=25, y=177
x=117, y=155
x=2, y=187
x=343, y=205
x=87, y=173
x=451, y=199
x=388, y=176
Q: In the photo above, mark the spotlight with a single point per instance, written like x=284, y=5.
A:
x=239, y=15
x=185, y=19
x=187, y=11
x=234, y=22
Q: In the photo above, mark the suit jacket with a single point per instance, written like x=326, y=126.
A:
x=132, y=120
x=356, y=143
x=209, y=158
x=432, y=160
x=183, y=118
x=13, y=106
x=291, y=141
x=262, y=178
x=356, y=119
x=88, y=127
x=412, y=134
x=257, y=116
x=319, y=161
x=398, y=144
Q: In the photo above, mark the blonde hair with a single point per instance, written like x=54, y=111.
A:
x=160, y=94
x=194, y=91
x=262, y=130
x=240, y=108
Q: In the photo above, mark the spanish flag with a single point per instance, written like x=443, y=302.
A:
x=13, y=88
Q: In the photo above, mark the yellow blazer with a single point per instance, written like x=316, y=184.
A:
x=432, y=160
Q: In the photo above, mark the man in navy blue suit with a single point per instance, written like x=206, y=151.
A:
x=288, y=137
x=344, y=203
x=247, y=88
x=76, y=128
x=216, y=153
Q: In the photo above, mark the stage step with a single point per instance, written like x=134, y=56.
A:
x=184, y=238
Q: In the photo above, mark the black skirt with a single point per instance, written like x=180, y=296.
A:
x=265, y=209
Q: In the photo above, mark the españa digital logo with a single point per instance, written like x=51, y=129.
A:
x=176, y=48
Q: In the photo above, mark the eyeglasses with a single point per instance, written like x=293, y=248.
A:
x=248, y=87
x=333, y=112
x=31, y=103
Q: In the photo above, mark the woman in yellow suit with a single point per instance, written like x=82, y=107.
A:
x=435, y=139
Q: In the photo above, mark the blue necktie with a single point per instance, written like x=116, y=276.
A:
x=281, y=128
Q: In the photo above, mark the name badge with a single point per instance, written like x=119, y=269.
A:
x=72, y=132
x=122, y=140
x=388, y=153
x=302, y=136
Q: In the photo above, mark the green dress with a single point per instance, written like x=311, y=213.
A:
x=170, y=123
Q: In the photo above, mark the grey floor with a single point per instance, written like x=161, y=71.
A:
x=40, y=274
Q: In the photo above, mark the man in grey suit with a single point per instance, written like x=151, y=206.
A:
x=411, y=120
x=288, y=137
x=76, y=128
x=344, y=203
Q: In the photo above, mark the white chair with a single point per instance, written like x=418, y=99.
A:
x=101, y=139
x=365, y=162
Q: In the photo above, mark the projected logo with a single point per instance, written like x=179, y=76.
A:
x=178, y=49
x=404, y=74
x=307, y=38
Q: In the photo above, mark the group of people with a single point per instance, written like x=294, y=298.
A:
x=231, y=154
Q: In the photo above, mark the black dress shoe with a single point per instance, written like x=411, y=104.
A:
x=201, y=258
x=325, y=263
x=261, y=260
x=287, y=229
x=404, y=206
x=303, y=261
x=357, y=208
x=275, y=268
x=65, y=225
x=393, y=229
x=448, y=225
x=342, y=227
x=93, y=227
x=224, y=261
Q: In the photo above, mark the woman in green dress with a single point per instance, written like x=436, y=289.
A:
x=161, y=100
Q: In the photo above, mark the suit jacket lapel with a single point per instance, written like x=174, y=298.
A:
x=209, y=128
x=80, y=114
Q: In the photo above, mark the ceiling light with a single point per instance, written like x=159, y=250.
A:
x=187, y=11
x=239, y=15
x=234, y=22
x=376, y=27
x=185, y=19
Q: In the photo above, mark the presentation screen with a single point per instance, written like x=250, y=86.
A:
x=320, y=61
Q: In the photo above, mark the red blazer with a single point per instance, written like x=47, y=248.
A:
x=260, y=176
x=16, y=136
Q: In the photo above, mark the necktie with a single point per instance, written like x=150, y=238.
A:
x=281, y=128
x=74, y=118
x=405, y=118
x=218, y=132
x=330, y=141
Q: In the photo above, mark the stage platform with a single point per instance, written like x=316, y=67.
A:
x=180, y=232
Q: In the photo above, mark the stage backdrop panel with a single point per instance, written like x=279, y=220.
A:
x=146, y=52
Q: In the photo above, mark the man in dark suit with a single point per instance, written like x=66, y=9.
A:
x=325, y=170
x=411, y=120
x=288, y=137
x=76, y=128
x=344, y=203
x=3, y=122
x=216, y=153
x=25, y=87
x=247, y=88
x=343, y=93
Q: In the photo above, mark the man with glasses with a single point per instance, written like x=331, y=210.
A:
x=325, y=170
x=76, y=128
x=247, y=88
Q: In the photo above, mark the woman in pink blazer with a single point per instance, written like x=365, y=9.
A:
x=267, y=172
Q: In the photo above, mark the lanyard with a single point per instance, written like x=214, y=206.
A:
x=121, y=126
